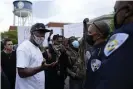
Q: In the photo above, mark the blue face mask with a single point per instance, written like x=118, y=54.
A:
x=75, y=44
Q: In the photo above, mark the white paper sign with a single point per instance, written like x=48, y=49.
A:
x=73, y=30
x=23, y=33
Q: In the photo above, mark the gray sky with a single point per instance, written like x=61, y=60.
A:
x=45, y=11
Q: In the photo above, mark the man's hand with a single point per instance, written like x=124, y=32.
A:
x=54, y=63
x=51, y=32
x=63, y=49
x=49, y=55
x=45, y=65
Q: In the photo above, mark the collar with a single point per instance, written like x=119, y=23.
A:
x=127, y=28
x=100, y=44
x=7, y=52
x=33, y=42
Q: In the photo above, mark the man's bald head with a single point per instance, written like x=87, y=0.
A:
x=102, y=27
x=123, y=13
x=120, y=4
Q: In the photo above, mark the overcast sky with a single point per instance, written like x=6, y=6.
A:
x=45, y=11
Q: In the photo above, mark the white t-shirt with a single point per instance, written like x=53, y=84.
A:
x=29, y=56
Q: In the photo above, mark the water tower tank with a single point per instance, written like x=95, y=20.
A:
x=23, y=10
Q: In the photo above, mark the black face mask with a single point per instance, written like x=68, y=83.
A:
x=89, y=40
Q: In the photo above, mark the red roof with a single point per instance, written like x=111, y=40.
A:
x=12, y=28
x=56, y=24
x=50, y=24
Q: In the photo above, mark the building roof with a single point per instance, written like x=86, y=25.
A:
x=12, y=28
x=56, y=24
x=50, y=24
x=103, y=17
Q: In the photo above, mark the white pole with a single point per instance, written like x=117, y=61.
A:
x=23, y=21
x=28, y=18
x=14, y=20
x=31, y=19
x=18, y=21
x=20, y=18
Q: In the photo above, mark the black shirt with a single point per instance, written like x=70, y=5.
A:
x=92, y=76
x=8, y=63
x=4, y=81
x=51, y=77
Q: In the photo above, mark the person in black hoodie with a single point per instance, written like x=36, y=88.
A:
x=55, y=76
x=63, y=62
x=50, y=55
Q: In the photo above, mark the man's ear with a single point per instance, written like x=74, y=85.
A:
x=129, y=10
x=31, y=32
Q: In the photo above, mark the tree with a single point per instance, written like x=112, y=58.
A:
x=10, y=34
x=112, y=24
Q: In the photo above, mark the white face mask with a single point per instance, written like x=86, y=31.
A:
x=75, y=44
x=39, y=40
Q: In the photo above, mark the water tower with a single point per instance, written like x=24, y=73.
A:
x=22, y=13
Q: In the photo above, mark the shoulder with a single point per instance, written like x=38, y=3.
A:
x=2, y=52
x=14, y=52
x=114, y=42
x=3, y=55
x=24, y=45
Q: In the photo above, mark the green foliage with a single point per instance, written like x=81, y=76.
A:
x=112, y=25
x=10, y=34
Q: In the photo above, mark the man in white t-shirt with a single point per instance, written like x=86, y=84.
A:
x=30, y=62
